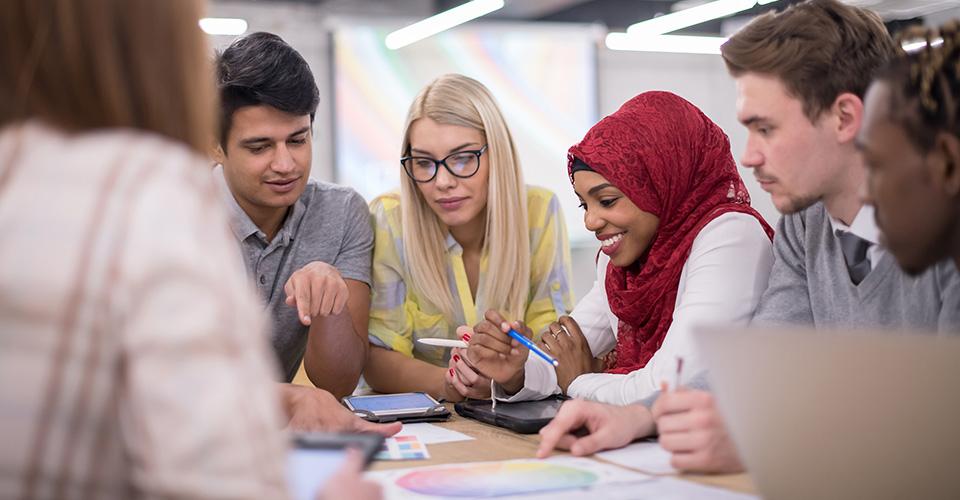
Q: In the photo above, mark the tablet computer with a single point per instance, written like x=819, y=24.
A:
x=315, y=457
x=525, y=417
x=406, y=407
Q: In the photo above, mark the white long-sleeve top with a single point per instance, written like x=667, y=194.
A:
x=721, y=283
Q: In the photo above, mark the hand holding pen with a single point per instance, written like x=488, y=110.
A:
x=692, y=429
x=496, y=353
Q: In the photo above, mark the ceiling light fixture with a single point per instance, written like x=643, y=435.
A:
x=693, y=16
x=911, y=46
x=223, y=26
x=441, y=22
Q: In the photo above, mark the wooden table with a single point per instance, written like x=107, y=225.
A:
x=495, y=443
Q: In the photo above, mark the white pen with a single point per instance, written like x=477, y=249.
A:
x=677, y=377
x=443, y=342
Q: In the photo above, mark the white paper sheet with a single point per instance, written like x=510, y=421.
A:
x=432, y=434
x=647, y=456
x=669, y=488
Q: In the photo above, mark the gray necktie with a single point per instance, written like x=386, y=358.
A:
x=854, y=250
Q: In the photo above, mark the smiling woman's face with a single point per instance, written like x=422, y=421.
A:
x=625, y=232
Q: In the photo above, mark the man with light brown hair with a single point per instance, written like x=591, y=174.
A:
x=801, y=77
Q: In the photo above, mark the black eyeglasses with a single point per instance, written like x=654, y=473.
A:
x=462, y=164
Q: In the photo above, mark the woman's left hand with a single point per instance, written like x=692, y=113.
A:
x=565, y=342
x=464, y=378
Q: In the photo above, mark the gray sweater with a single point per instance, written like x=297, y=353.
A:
x=809, y=285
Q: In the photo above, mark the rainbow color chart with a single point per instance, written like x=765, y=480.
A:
x=495, y=479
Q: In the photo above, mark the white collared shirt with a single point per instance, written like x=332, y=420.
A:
x=864, y=226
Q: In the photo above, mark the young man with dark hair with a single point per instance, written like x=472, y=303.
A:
x=801, y=76
x=306, y=244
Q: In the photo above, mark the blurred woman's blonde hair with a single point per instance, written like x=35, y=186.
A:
x=92, y=64
x=458, y=100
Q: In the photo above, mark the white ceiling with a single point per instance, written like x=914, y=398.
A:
x=610, y=12
x=906, y=9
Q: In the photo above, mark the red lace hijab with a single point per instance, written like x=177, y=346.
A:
x=670, y=160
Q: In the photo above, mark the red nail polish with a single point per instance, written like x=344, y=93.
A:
x=456, y=358
x=466, y=337
x=451, y=372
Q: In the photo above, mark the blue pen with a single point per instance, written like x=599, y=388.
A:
x=533, y=347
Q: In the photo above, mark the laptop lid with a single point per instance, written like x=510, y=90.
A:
x=840, y=415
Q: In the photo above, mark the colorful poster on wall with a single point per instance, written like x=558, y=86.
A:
x=544, y=78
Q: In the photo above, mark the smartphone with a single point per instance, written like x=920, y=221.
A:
x=317, y=456
x=406, y=407
x=525, y=417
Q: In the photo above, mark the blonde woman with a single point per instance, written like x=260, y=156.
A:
x=464, y=235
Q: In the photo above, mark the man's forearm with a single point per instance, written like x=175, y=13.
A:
x=335, y=354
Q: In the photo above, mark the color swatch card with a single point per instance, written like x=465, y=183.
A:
x=553, y=478
x=403, y=448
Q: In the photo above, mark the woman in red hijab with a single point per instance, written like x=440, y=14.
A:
x=680, y=247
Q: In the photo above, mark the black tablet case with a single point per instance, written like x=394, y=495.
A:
x=510, y=415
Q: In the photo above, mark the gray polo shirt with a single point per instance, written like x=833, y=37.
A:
x=329, y=223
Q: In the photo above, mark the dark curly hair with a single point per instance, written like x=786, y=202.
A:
x=925, y=82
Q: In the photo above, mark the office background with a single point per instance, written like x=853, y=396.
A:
x=545, y=61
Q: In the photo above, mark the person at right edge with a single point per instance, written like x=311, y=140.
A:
x=801, y=99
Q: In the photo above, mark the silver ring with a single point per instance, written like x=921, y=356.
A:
x=564, y=328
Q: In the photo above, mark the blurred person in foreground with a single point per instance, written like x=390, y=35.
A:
x=910, y=142
x=133, y=359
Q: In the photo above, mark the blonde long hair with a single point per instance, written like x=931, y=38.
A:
x=95, y=64
x=458, y=100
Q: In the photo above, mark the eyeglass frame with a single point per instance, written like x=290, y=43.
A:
x=443, y=161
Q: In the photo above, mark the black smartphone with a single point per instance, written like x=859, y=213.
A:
x=525, y=417
x=315, y=457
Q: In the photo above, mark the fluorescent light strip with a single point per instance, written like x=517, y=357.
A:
x=692, y=16
x=665, y=43
x=441, y=22
x=223, y=25
x=914, y=46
